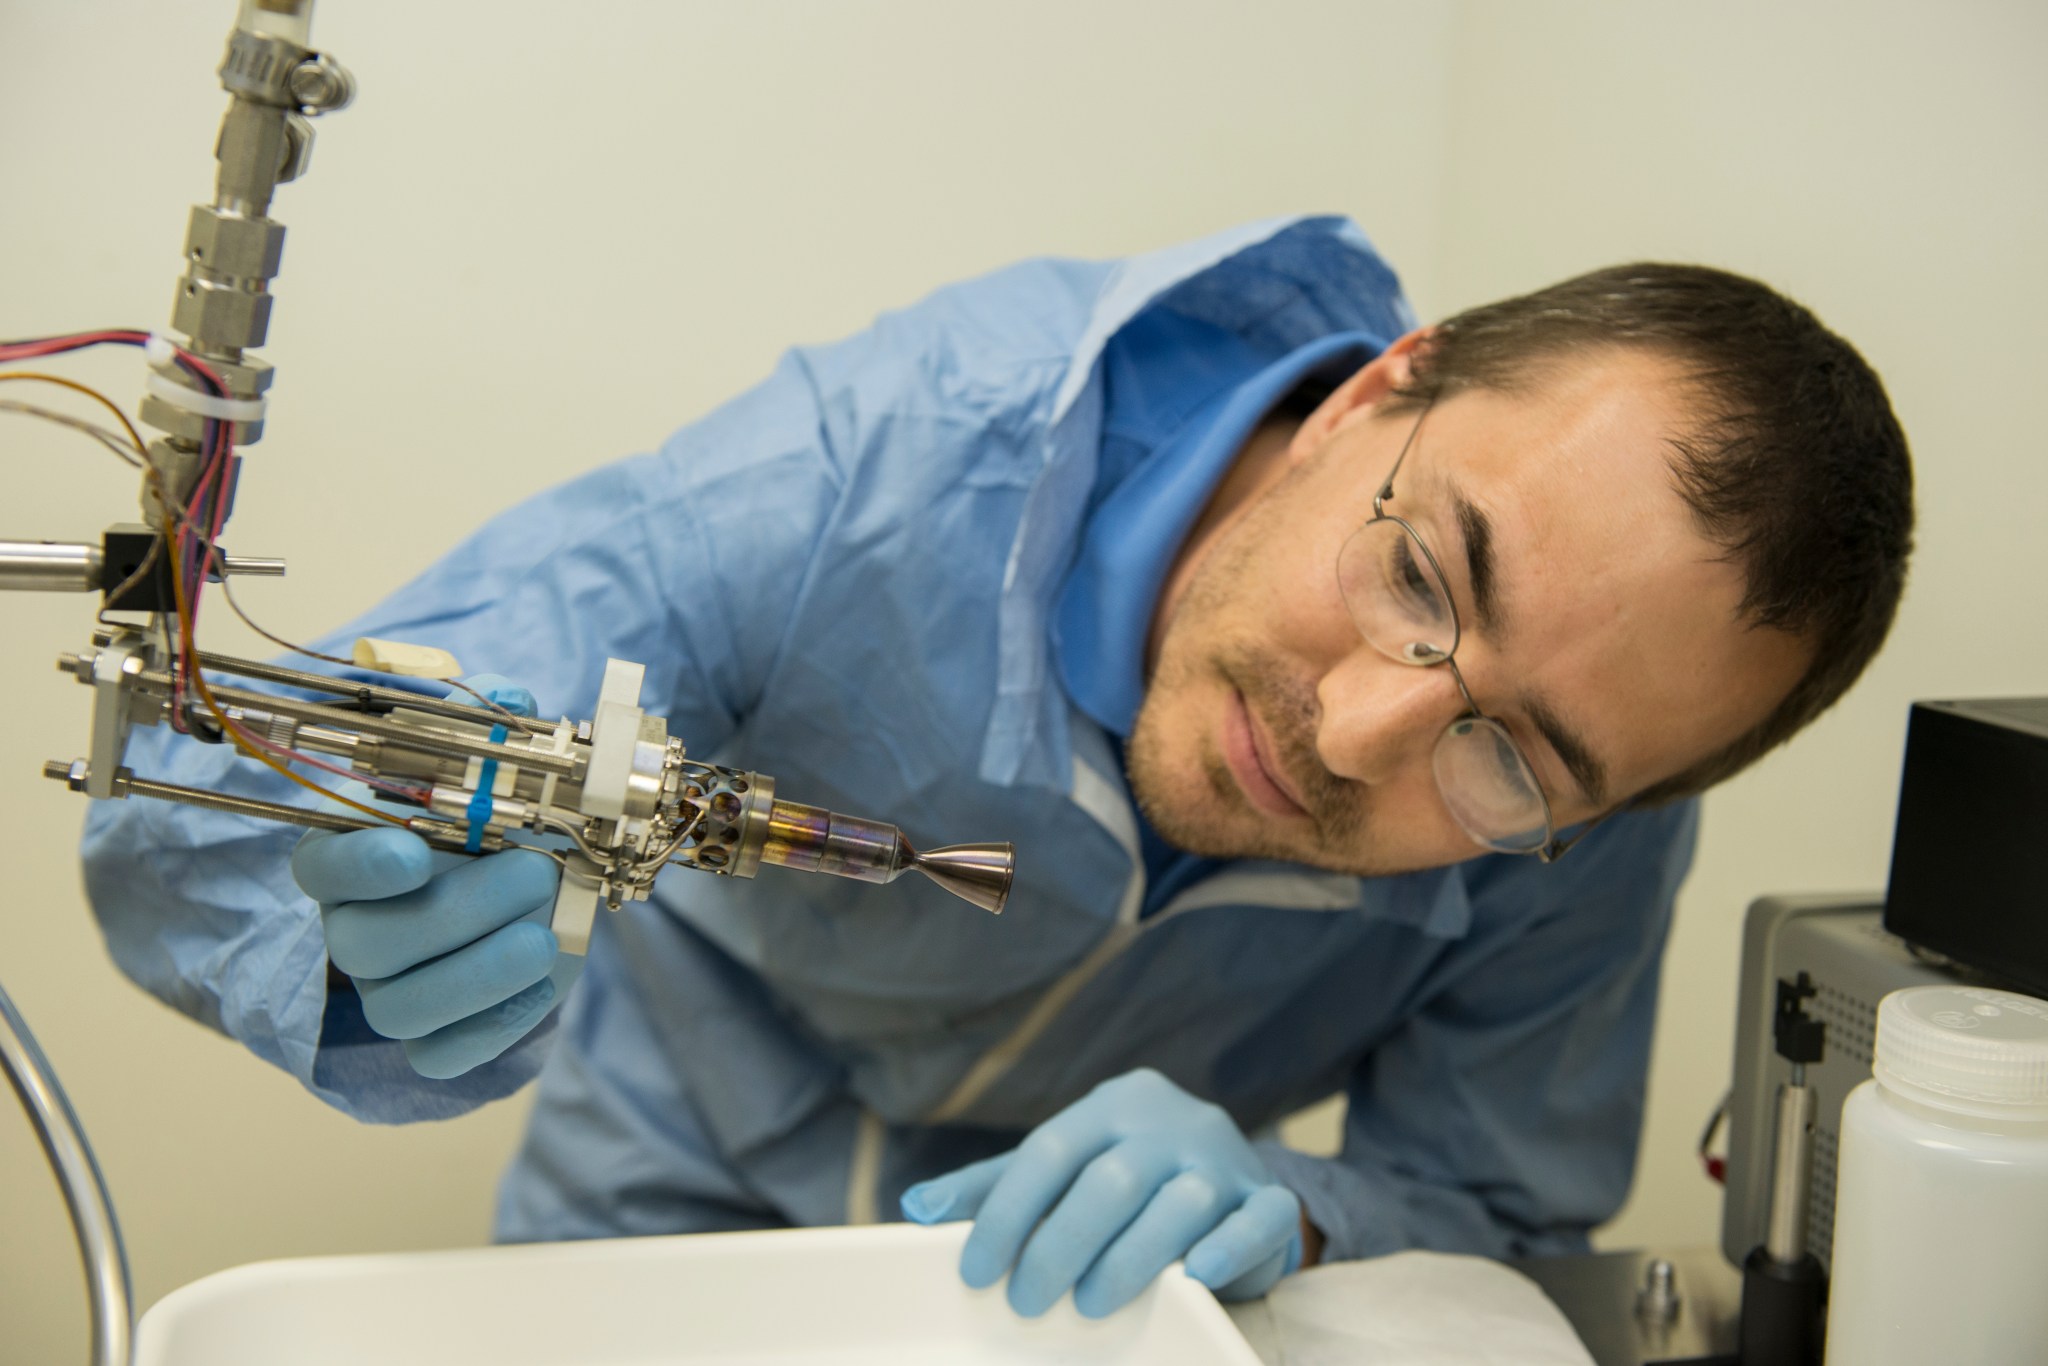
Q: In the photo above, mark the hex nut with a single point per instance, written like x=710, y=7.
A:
x=213, y=316
x=250, y=248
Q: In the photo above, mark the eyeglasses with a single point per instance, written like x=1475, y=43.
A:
x=1396, y=593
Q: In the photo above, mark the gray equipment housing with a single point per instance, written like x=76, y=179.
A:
x=1841, y=944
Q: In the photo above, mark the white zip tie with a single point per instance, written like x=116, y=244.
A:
x=159, y=350
x=204, y=405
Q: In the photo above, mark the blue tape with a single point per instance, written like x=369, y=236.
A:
x=480, y=805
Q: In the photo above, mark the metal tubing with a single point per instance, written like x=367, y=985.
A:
x=444, y=744
x=85, y=1189
x=449, y=835
x=1791, y=1173
x=128, y=785
x=340, y=687
x=50, y=567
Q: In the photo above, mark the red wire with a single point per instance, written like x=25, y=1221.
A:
x=219, y=467
x=219, y=463
x=125, y=336
x=51, y=346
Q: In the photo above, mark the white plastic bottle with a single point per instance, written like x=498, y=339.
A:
x=1941, y=1192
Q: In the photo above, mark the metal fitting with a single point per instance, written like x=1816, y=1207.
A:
x=72, y=775
x=1657, y=1298
x=175, y=457
x=219, y=316
x=259, y=67
x=229, y=244
x=321, y=85
x=298, y=148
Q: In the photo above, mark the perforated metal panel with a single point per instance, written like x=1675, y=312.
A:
x=1852, y=963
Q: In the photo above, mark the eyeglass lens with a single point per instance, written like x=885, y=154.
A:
x=1402, y=608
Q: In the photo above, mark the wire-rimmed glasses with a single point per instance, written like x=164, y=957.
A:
x=1399, y=600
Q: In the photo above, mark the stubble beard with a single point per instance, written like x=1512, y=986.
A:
x=1200, y=655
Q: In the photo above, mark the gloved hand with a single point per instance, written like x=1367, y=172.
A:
x=1128, y=1178
x=439, y=945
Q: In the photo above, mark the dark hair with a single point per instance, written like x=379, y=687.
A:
x=1794, y=463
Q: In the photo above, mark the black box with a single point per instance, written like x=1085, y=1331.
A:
x=1969, y=875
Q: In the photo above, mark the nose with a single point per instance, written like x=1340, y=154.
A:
x=1379, y=717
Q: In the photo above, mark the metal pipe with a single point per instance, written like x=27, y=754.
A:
x=111, y=1297
x=340, y=687
x=50, y=566
x=446, y=744
x=449, y=835
x=1791, y=1172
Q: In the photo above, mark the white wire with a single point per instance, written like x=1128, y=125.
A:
x=117, y=442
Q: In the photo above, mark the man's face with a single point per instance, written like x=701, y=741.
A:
x=1270, y=729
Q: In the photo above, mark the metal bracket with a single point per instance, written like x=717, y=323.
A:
x=118, y=661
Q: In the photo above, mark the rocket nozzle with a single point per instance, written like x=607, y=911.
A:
x=977, y=873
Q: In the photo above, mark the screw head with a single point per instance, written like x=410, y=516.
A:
x=321, y=85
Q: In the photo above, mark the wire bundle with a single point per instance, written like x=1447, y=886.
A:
x=188, y=537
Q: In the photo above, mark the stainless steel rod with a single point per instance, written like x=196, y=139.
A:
x=112, y=1299
x=340, y=687
x=441, y=834
x=132, y=786
x=49, y=567
x=444, y=744
x=1791, y=1174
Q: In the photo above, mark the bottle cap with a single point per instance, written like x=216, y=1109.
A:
x=1969, y=1049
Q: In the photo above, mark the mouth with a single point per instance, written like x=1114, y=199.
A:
x=1249, y=754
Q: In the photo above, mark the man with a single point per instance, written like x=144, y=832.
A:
x=1340, y=682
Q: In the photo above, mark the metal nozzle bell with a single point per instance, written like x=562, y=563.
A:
x=977, y=873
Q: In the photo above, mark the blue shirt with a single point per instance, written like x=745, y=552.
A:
x=849, y=578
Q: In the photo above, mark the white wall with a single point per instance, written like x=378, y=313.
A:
x=532, y=247
x=545, y=236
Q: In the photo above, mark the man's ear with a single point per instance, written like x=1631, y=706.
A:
x=1353, y=400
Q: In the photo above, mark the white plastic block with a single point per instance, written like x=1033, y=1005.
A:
x=410, y=661
x=622, y=681
x=575, y=913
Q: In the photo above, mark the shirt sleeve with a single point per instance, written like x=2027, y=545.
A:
x=692, y=561
x=1502, y=1118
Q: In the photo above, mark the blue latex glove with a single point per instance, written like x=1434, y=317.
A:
x=1106, y=1194
x=439, y=945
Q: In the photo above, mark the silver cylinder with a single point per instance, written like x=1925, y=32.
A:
x=814, y=840
x=1791, y=1174
x=454, y=804
x=50, y=566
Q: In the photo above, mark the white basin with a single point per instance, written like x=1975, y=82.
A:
x=805, y=1297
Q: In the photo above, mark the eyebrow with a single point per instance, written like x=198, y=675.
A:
x=1579, y=761
x=1477, y=534
x=1476, y=531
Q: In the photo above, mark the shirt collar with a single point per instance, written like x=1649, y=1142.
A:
x=1105, y=607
